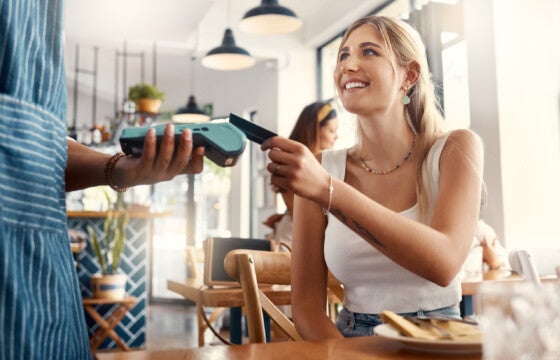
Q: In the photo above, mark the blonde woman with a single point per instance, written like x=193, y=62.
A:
x=392, y=217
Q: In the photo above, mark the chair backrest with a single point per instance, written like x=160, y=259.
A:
x=215, y=251
x=251, y=268
x=545, y=262
x=523, y=263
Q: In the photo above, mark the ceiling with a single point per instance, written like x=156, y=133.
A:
x=199, y=24
x=177, y=28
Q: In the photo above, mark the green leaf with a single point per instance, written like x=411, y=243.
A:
x=108, y=250
x=96, y=246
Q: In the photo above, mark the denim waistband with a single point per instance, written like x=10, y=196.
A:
x=352, y=324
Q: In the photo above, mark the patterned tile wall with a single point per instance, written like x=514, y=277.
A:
x=132, y=328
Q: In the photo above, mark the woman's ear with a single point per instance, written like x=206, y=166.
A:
x=412, y=73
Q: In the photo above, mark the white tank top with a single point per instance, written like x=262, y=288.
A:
x=373, y=282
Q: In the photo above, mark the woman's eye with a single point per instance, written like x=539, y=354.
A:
x=368, y=52
x=342, y=56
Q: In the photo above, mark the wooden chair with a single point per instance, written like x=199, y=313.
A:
x=195, y=264
x=253, y=268
x=195, y=261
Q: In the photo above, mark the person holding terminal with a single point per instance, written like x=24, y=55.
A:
x=393, y=217
x=41, y=313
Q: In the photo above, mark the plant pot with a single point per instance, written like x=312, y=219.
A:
x=148, y=105
x=108, y=286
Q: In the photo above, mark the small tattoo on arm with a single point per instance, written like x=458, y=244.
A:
x=366, y=234
x=360, y=230
x=339, y=215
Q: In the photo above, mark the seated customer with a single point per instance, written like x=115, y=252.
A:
x=316, y=128
x=394, y=216
x=494, y=255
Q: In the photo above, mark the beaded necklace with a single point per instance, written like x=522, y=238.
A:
x=376, y=172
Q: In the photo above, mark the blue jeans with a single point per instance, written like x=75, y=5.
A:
x=352, y=324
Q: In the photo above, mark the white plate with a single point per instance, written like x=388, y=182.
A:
x=432, y=346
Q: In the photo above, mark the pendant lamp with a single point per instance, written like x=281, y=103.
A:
x=270, y=18
x=228, y=56
x=191, y=113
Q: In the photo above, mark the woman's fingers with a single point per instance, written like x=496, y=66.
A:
x=279, y=142
x=294, y=167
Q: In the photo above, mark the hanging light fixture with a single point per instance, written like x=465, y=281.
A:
x=191, y=113
x=228, y=56
x=270, y=18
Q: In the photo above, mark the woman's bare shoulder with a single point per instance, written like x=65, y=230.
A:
x=464, y=138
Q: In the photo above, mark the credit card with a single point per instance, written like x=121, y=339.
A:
x=253, y=131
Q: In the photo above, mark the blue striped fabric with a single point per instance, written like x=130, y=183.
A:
x=41, y=314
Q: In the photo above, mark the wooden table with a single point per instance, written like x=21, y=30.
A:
x=221, y=297
x=498, y=277
x=360, y=348
x=470, y=287
x=108, y=323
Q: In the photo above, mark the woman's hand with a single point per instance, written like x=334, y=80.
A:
x=296, y=169
x=163, y=165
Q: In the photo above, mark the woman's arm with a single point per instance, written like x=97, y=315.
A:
x=309, y=275
x=436, y=251
x=86, y=166
x=288, y=198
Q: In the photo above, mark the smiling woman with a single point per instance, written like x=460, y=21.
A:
x=472, y=59
x=365, y=240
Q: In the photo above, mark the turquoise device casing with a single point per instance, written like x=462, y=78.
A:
x=223, y=141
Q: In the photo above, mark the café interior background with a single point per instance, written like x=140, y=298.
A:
x=501, y=77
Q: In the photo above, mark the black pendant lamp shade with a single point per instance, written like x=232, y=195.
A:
x=191, y=113
x=270, y=18
x=228, y=56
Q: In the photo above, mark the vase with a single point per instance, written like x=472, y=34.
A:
x=108, y=286
x=148, y=105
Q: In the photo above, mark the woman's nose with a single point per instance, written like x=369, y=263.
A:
x=350, y=64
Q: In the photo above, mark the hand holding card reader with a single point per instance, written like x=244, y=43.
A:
x=224, y=142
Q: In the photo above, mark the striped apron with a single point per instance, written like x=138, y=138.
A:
x=41, y=314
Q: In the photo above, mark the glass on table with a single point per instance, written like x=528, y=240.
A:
x=473, y=266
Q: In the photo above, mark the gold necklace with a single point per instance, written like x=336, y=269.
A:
x=377, y=172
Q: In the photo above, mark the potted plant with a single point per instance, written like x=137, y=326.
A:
x=108, y=250
x=147, y=98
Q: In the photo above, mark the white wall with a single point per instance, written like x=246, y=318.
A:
x=528, y=70
x=481, y=59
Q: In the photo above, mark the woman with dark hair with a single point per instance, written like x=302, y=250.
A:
x=316, y=128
